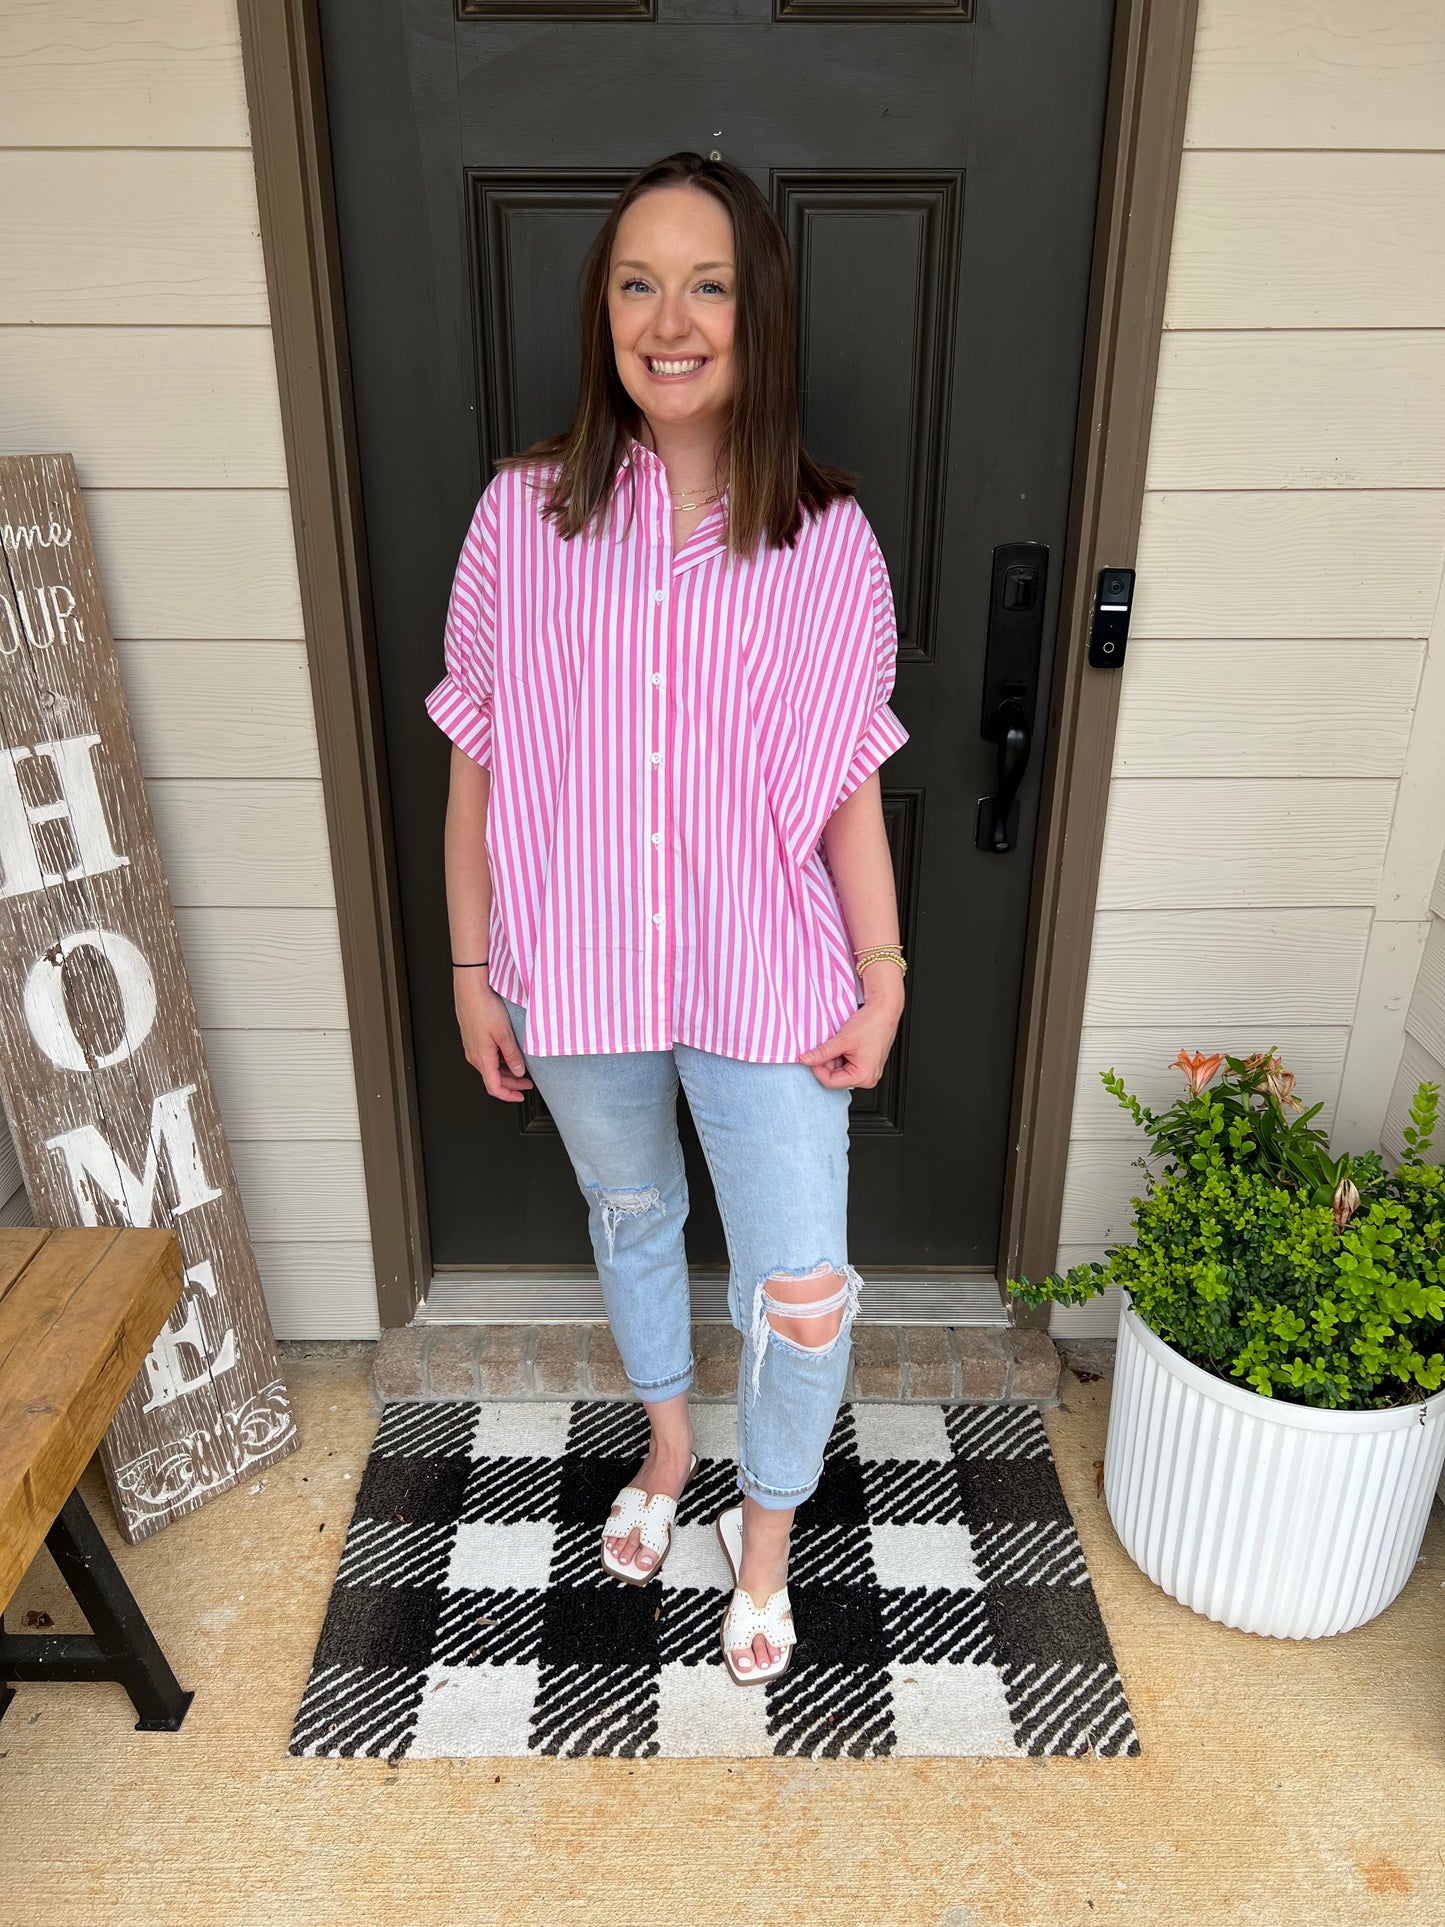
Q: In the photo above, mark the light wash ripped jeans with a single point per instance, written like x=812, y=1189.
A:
x=776, y=1143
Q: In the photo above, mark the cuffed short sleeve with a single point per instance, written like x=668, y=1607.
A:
x=882, y=732
x=461, y=703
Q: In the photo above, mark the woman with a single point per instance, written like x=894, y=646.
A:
x=668, y=653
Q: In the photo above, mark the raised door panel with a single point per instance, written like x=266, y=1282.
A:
x=530, y=232
x=875, y=361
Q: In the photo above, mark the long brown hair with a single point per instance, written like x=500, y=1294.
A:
x=772, y=479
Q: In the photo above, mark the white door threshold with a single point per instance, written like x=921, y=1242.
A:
x=568, y=1297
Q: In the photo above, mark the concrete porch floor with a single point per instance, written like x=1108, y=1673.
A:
x=1280, y=1785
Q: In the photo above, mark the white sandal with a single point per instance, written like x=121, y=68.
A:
x=653, y=1516
x=744, y=1620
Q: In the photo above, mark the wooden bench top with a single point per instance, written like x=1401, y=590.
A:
x=79, y=1310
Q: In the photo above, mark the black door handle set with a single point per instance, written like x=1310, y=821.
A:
x=1017, y=591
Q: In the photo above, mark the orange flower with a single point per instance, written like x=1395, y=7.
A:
x=1199, y=1069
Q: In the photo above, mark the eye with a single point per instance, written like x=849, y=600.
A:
x=705, y=285
x=633, y=281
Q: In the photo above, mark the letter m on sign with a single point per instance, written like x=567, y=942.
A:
x=96, y=1171
x=107, y=1093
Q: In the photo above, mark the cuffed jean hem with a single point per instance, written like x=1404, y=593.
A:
x=665, y=1388
x=773, y=1501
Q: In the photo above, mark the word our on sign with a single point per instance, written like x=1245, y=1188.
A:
x=105, y=1082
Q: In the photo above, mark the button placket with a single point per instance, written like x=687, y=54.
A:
x=655, y=709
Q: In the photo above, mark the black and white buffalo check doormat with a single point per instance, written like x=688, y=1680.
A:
x=940, y=1594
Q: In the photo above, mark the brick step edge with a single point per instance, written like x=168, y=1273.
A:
x=933, y=1364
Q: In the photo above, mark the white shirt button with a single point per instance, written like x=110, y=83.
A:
x=657, y=916
x=656, y=681
x=657, y=756
x=657, y=836
x=658, y=594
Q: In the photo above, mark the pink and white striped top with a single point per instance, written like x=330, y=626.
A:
x=667, y=734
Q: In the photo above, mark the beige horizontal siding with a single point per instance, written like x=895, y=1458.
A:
x=243, y=845
x=1326, y=707
x=1190, y=969
x=146, y=407
x=1289, y=564
x=301, y=1190
x=130, y=236
x=1353, y=408
x=284, y=1083
x=1308, y=240
x=1186, y=844
x=1294, y=73
x=1103, y=1180
x=218, y=709
x=322, y=1290
x=264, y=969
x=204, y=564
x=151, y=73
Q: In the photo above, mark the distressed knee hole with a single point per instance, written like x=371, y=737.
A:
x=807, y=1311
x=627, y=1202
x=809, y=1329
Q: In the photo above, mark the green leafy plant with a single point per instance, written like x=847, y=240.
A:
x=1315, y=1279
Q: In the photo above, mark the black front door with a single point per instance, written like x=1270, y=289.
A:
x=935, y=165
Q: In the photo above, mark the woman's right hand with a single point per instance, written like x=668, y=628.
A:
x=487, y=1037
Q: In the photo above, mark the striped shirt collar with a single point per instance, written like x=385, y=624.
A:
x=707, y=536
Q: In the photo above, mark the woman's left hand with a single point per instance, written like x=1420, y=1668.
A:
x=854, y=1056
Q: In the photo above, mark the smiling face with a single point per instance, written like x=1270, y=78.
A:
x=671, y=299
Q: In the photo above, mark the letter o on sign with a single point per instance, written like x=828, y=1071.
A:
x=49, y=1020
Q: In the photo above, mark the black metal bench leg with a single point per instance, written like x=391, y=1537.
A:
x=123, y=1647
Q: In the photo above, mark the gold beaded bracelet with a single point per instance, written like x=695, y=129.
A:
x=877, y=953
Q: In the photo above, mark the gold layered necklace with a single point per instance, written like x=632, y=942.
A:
x=699, y=501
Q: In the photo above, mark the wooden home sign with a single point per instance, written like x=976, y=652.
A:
x=105, y=1082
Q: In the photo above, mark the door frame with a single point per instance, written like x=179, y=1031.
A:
x=1139, y=175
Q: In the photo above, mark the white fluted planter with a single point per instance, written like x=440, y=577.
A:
x=1274, y=1518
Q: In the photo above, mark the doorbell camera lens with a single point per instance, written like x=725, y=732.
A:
x=1114, y=585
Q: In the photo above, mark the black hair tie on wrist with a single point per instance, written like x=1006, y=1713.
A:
x=473, y=966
